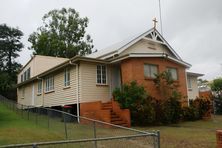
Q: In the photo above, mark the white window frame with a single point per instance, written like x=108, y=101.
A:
x=39, y=91
x=21, y=77
x=172, y=68
x=101, y=75
x=67, y=77
x=189, y=83
x=23, y=93
x=150, y=75
x=49, y=83
x=28, y=73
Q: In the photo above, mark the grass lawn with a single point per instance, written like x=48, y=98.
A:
x=198, y=134
x=14, y=129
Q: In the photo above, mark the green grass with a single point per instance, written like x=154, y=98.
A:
x=198, y=134
x=14, y=129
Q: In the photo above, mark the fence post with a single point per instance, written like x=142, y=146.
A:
x=22, y=111
x=34, y=146
x=94, y=132
x=158, y=139
x=64, y=120
x=28, y=112
x=36, y=117
x=48, y=117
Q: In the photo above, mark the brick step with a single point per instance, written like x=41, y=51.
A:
x=116, y=119
x=118, y=122
x=114, y=116
x=106, y=107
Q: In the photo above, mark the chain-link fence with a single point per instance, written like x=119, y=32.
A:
x=80, y=131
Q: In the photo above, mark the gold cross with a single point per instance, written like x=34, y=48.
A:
x=154, y=23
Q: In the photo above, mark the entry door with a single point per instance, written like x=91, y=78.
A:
x=116, y=77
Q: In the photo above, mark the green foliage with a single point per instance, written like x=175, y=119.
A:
x=10, y=45
x=144, y=112
x=216, y=86
x=190, y=113
x=130, y=95
x=166, y=85
x=63, y=34
x=198, y=109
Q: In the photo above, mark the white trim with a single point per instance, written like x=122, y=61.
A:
x=188, y=103
x=77, y=88
x=101, y=75
x=133, y=55
x=135, y=40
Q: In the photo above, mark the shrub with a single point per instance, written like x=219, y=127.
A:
x=190, y=114
x=130, y=95
x=135, y=98
x=168, y=111
x=144, y=112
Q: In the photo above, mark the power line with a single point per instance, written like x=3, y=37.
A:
x=161, y=29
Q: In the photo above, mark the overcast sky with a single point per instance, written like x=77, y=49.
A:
x=192, y=27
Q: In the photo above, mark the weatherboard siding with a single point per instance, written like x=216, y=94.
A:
x=27, y=98
x=61, y=95
x=39, y=64
x=144, y=46
x=89, y=91
x=193, y=92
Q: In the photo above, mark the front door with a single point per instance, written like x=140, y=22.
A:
x=115, y=77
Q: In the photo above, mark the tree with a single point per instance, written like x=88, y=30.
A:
x=216, y=86
x=63, y=34
x=10, y=45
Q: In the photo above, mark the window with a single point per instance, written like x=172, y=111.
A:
x=49, y=83
x=173, y=73
x=25, y=77
x=23, y=92
x=101, y=74
x=67, y=77
x=150, y=71
x=189, y=83
x=21, y=77
x=28, y=73
x=39, y=86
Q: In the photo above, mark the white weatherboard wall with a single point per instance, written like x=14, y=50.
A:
x=144, y=46
x=39, y=64
x=27, y=98
x=60, y=96
x=89, y=91
x=193, y=92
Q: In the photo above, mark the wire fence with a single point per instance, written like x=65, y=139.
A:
x=80, y=131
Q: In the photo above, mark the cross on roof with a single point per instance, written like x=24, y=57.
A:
x=154, y=23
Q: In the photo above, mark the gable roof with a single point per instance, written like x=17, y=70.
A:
x=116, y=49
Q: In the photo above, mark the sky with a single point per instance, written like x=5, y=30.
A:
x=192, y=27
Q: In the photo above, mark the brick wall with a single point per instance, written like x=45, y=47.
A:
x=133, y=69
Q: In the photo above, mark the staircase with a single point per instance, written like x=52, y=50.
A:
x=115, y=119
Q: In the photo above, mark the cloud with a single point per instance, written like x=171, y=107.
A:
x=193, y=28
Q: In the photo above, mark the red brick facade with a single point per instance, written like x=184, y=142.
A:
x=133, y=69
